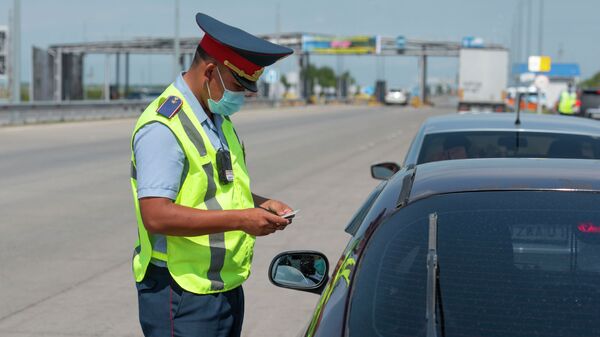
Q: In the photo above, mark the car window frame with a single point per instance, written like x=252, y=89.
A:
x=359, y=216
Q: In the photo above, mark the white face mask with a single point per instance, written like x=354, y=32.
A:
x=230, y=103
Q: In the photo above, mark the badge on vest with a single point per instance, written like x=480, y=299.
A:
x=170, y=107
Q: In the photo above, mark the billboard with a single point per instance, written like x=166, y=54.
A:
x=539, y=64
x=472, y=42
x=321, y=44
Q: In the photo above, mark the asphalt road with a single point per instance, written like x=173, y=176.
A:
x=68, y=224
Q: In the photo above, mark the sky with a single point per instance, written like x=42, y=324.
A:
x=570, y=31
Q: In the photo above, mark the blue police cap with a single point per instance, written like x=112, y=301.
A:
x=243, y=53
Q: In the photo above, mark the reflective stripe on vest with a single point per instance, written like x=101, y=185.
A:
x=192, y=133
x=208, y=263
x=216, y=240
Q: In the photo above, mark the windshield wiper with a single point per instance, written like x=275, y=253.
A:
x=434, y=296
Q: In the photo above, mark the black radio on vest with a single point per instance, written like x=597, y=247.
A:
x=224, y=166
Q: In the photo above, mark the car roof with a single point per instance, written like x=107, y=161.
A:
x=506, y=122
x=504, y=174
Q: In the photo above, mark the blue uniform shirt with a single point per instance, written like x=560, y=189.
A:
x=160, y=162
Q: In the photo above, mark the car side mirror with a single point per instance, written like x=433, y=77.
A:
x=384, y=171
x=300, y=270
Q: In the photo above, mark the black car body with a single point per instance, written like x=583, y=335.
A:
x=516, y=248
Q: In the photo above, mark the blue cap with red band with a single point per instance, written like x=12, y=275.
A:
x=243, y=53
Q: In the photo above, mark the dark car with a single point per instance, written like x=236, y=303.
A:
x=498, y=136
x=479, y=247
x=589, y=100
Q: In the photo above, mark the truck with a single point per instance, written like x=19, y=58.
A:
x=482, y=79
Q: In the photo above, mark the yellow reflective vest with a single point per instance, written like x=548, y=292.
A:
x=207, y=263
x=566, y=103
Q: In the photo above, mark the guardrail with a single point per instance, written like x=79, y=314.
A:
x=52, y=112
x=48, y=112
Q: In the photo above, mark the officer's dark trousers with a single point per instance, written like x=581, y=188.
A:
x=166, y=310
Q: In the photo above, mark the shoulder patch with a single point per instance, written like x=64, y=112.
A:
x=170, y=106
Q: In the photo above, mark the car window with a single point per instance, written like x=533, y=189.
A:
x=590, y=99
x=510, y=264
x=505, y=144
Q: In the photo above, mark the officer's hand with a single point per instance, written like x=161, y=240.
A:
x=276, y=206
x=259, y=222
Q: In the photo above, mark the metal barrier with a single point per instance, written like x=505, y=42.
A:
x=52, y=112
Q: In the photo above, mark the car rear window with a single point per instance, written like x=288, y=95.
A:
x=505, y=144
x=510, y=264
x=590, y=99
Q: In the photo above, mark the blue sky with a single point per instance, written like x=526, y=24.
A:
x=572, y=25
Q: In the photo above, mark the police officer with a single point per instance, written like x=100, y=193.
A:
x=197, y=217
x=567, y=101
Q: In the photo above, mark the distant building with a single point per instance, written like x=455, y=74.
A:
x=560, y=75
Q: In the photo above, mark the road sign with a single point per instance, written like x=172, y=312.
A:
x=539, y=64
x=400, y=42
x=472, y=42
x=271, y=76
x=368, y=90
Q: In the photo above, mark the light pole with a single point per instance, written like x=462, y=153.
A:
x=16, y=52
x=176, y=66
x=541, y=30
x=528, y=36
x=519, y=49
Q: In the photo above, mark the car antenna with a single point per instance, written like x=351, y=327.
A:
x=518, y=102
x=433, y=290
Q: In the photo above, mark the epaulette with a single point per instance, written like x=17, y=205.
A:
x=170, y=106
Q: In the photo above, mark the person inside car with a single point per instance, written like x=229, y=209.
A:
x=453, y=147
x=456, y=147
